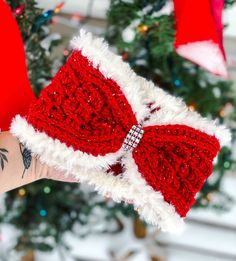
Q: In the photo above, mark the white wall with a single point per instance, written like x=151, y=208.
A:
x=230, y=18
x=99, y=7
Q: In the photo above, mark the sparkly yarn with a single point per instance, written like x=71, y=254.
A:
x=83, y=109
x=176, y=160
x=89, y=112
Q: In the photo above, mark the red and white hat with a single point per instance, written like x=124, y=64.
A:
x=201, y=40
x=110, y=128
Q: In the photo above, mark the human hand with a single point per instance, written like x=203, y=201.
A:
x=18, y=167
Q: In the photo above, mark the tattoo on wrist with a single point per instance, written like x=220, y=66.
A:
x=3, y=157
x=26, y=156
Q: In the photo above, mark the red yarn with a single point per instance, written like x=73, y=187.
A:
x=90, y=113
x=176, y=160
x=83, y=109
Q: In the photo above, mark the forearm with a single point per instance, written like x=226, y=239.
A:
x=18, y=168
x=13, y=171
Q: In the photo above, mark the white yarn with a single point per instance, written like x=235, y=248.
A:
x=130, y=188
x=139, y=92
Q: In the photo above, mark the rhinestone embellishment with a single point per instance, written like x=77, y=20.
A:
x=133, y=137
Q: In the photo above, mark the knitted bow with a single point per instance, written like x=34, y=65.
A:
x=97, y=114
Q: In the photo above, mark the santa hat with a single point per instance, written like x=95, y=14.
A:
x=110, y=128
x=199, y=33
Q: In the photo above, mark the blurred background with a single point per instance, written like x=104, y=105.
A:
x=51, y=220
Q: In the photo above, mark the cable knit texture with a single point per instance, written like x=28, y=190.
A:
x=176, y=160
x=82, y=119
x=83, y=109
x=90, y=113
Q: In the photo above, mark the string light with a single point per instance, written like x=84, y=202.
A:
x=43, y=212
x=19, y=10
x=222, y=113
x=177, y=83
x=58, y=7
x=125, y=56
x=192, y=107
x=48, y=13
x=47, y=16
x=142, y=28
x=226, y=110
x=66, y=52
x=47, y=190
x=21, y=192
x=226, y=164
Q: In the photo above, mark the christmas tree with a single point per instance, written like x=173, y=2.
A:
x=32, y=21
x=43, y=211
x=144, y=34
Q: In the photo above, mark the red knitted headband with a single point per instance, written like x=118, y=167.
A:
x=97, y=114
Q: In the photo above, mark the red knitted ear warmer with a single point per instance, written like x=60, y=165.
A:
x=107, y=126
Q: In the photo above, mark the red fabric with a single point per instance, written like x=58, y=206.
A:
x=83, y=109
x=15, y=91
x=176, y=160
x=217, y=7
x=90, y=113
x=196, y=22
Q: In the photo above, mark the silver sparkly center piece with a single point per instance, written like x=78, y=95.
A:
x=133, y=137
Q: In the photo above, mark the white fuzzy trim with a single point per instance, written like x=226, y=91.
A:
x=140, y=92
x=130, y=188
x=112, y=67
x=174, y=111
x=40, y=143
x=150, y=204
x=205, y=53
x=193, y=119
